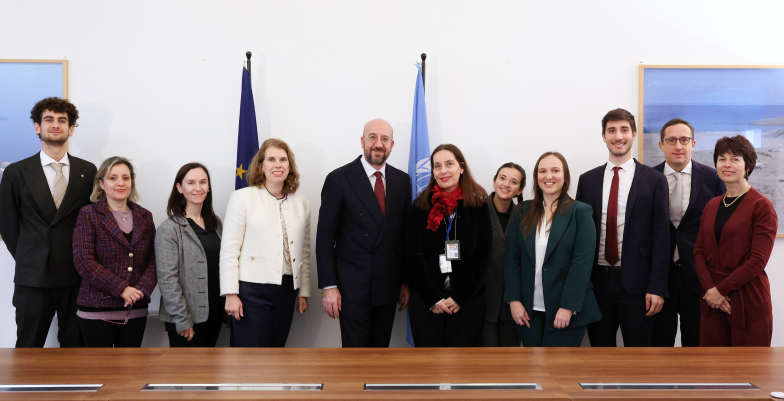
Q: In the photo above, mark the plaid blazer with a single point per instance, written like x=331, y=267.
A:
x=105, y=259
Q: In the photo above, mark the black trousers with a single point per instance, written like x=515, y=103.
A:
x=108, y=334
x=35, y=308
x=461, y=329
x=500, y=334
x=268, y=310
x=205, y=334
x=618, y=308
x=363, y=326
x=681, y=302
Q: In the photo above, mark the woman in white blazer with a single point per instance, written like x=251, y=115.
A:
x=265, y=250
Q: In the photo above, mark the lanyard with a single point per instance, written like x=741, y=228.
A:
x=449, y=226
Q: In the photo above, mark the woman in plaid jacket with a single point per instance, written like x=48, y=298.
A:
x=113, y=252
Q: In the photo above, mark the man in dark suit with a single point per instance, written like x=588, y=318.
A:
x=630, y=209
x=40, y=198
x=359, y=247
x=691, y=186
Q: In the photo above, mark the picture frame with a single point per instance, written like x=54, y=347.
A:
x=718, y=101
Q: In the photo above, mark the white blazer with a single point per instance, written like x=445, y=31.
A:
x=252, y=243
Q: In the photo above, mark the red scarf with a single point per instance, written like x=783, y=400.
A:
x=444, y=203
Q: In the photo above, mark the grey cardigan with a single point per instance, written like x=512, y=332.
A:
x=181, y=264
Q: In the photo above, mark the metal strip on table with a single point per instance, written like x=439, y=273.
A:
x=235, y=387
x=668, y=386
x=35, y=388
x=454, y=386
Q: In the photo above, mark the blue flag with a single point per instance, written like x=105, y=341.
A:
x=248, y=136
x=419, y=155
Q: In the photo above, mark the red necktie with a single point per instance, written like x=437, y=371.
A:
x=611, y=240
x=379, y=190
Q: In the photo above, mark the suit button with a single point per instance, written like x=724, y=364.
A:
x=252, y=258
x=293, y=260
x=130, y=269
x=288, y=224
x=361, y=214
x=292, y=242
x=503, y=243
x=130, y=254
x=366, y=234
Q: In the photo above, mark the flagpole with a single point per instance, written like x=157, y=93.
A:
x=248, y=54
x=424, y=56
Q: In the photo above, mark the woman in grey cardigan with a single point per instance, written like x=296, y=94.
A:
x=187, y=254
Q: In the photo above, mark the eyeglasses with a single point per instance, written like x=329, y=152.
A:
x=684, y=140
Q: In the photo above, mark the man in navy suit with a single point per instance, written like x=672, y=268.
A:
x=359, y=246
x=691, y=186
x=630, y=209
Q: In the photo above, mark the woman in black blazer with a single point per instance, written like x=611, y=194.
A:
x=450, y=240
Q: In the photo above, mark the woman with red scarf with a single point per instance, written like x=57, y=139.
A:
x=449, y=240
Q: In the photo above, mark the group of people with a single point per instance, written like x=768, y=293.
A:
x=637, y=248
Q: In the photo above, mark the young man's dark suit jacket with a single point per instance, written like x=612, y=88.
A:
x=705, y=185
x=358, y=248
x=645, y=259
x=40, y=238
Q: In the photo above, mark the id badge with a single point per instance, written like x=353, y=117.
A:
x=452, y=250
x=445, y=265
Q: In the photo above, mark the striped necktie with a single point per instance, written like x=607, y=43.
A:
x=58, y=190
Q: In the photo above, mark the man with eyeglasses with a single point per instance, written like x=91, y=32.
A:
x=359, y=241
x=691, y=186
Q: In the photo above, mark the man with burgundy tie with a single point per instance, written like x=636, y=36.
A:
x=40, y=198
x=359, y=244
x=691, y=186
x=631, y=210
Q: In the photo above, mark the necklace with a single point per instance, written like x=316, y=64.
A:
x=724, y=199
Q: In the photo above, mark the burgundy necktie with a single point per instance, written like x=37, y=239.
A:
x=379, y=190
x=611, y=240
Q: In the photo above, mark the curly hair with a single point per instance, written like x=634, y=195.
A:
x=255, y=176
x=56, y=105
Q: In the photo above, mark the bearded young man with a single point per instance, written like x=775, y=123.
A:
x=630, y=204
x=40, y=198
x=359, y=244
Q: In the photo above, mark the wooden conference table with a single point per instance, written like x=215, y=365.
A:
x=344, y=372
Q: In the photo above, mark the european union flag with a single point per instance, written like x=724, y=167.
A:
x=419, y=155
x=248, y=137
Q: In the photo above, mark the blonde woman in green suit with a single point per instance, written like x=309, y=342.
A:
x=549, y=258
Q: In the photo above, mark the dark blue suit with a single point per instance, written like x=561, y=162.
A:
x=684, y=285
x=644, y=259
x=360, y=250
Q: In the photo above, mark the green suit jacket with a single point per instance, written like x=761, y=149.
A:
x=566, y=272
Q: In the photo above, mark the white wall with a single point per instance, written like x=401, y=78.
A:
x=159, y=82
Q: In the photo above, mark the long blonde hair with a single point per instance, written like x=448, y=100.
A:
x=104, y=170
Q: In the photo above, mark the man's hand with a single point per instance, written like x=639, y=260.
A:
x=403, y=300
x=331, y=301
x=653, y=304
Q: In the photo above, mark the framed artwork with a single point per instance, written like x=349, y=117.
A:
x=719, y=101
x=22, y=84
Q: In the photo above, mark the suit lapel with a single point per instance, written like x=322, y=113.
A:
x=361, y=185
x=494, y=217
x=75, y=182
x=557, y=229
x=697, y=177
x=110, y=224
x=638, y=173
x=597, y=199
x=35, y=179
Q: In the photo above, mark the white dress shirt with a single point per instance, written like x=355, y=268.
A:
x=625, y=178
x=370, y=171
x=685, y=185
x=542, y=236
x=50, y=172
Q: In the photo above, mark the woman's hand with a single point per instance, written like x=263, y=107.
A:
x=187, y=333
x=450, y=304
x=234, y=306
x=302, y=304
x=131, y=295
x=562, y=318
x=725, y=307
x=519, y=314
x=714, y=298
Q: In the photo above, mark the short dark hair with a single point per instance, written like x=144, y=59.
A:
x=618, y=115
x=676, y=121
x=177, y=202
x=56, y=105
x=522, y=180
x=738, y=145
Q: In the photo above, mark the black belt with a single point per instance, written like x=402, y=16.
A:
x=607, y=269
